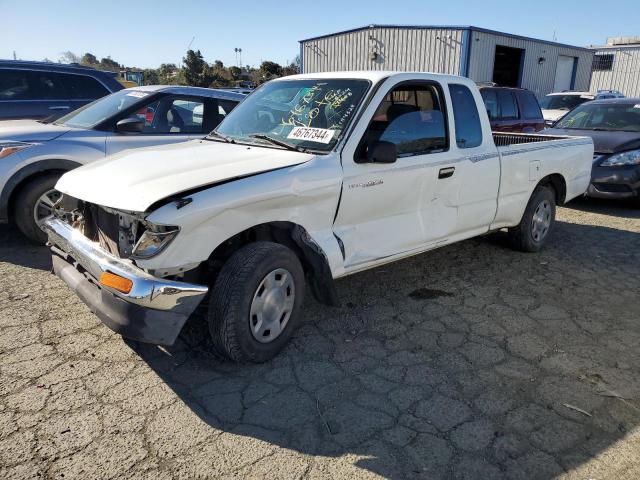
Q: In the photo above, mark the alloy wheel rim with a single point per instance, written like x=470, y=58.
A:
x=43, y=208
x=272, y=305
x=541, y=221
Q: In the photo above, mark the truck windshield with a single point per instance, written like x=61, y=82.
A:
x=603, y=116
x=97, y=112
x=302, y=114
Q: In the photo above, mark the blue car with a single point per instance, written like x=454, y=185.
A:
x=46, y=91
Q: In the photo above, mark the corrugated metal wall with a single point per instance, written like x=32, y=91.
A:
x=407, y=49
x=624, y=75
x=440, y=50
x=539, y=78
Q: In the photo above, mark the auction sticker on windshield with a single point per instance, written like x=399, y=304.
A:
x=310, y=134
x=137, y=94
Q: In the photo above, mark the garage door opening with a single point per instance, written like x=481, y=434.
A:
x=507, y=66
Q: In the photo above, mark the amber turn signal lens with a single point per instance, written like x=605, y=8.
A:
x=116, y=282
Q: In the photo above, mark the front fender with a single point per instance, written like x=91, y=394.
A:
x=306, y=195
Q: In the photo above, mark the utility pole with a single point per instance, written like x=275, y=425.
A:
x=238, y=56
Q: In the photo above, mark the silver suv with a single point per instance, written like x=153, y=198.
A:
x=33, y=155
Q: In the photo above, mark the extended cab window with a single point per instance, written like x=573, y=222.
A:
x=465, y=115
x=412, y=118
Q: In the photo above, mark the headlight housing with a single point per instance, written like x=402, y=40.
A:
x=154, y=240
x=7, y=148
x=632, y=157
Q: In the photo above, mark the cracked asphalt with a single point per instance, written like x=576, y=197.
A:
x=469, y=362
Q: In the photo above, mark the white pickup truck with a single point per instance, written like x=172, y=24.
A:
x=311, y=178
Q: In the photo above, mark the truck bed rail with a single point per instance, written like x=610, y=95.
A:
x=502, y=139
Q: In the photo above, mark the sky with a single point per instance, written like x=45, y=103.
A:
x=146, y=33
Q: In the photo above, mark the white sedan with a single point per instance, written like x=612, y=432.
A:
x=33, y=155
x=556, y=105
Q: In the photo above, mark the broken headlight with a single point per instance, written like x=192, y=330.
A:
x=154, y=239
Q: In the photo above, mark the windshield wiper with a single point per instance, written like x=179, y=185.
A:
x=280, y=143
x=220, y=136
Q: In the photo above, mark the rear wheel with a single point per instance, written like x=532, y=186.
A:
x=34, y=204
x=532, y=232
x=256, y=301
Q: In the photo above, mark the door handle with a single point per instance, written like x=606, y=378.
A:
x=59, y=107
x=446, y=172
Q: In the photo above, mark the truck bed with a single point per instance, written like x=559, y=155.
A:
x=503, y=139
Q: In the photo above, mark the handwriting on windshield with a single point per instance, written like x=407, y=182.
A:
x=315, y=102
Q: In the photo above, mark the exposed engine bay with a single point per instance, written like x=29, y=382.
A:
x=117, y=232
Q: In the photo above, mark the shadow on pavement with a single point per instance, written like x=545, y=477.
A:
x=618, y=208
x=16, y=249
x=526, y=366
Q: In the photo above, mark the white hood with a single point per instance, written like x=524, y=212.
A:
x=554, y=115
x=30, y=131
x=136, y=179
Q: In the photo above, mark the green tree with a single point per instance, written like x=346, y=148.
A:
x=292, y=69
x=151, y=76
x=270, y=70
x=69, y=57
x=107, y=63
x=235, y=72
x=89, y=59
x=168, y=74
x=196, y=71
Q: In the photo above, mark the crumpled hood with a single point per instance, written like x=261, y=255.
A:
x=30, y=131
x=134, y=180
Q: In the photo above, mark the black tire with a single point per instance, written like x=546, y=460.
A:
x=25, y=203
x=232, y=295
x=523, y=237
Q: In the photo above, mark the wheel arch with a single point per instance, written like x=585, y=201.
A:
x=559, y=185
x=292, y=235
x=26, y=174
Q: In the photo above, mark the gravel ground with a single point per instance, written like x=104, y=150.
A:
x=472, y=361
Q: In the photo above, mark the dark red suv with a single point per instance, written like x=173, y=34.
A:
x=512, y=109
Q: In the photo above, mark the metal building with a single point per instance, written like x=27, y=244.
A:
x=480, y=54
x=616, y=66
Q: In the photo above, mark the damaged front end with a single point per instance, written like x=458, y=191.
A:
x=94, y=250
x=121, y=233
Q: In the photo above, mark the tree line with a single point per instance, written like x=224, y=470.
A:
x=194, y=71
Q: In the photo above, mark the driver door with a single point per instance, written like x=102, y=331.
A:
x=395, y=208
x=171, y=119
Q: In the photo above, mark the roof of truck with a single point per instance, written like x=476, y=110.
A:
x=372, y=75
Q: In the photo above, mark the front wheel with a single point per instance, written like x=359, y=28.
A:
x=255, y=302
x=532, y=232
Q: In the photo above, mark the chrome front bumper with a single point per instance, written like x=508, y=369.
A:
x=153, y=311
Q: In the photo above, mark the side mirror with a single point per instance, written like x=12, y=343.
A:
x=382, y=152
x=130, y=125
